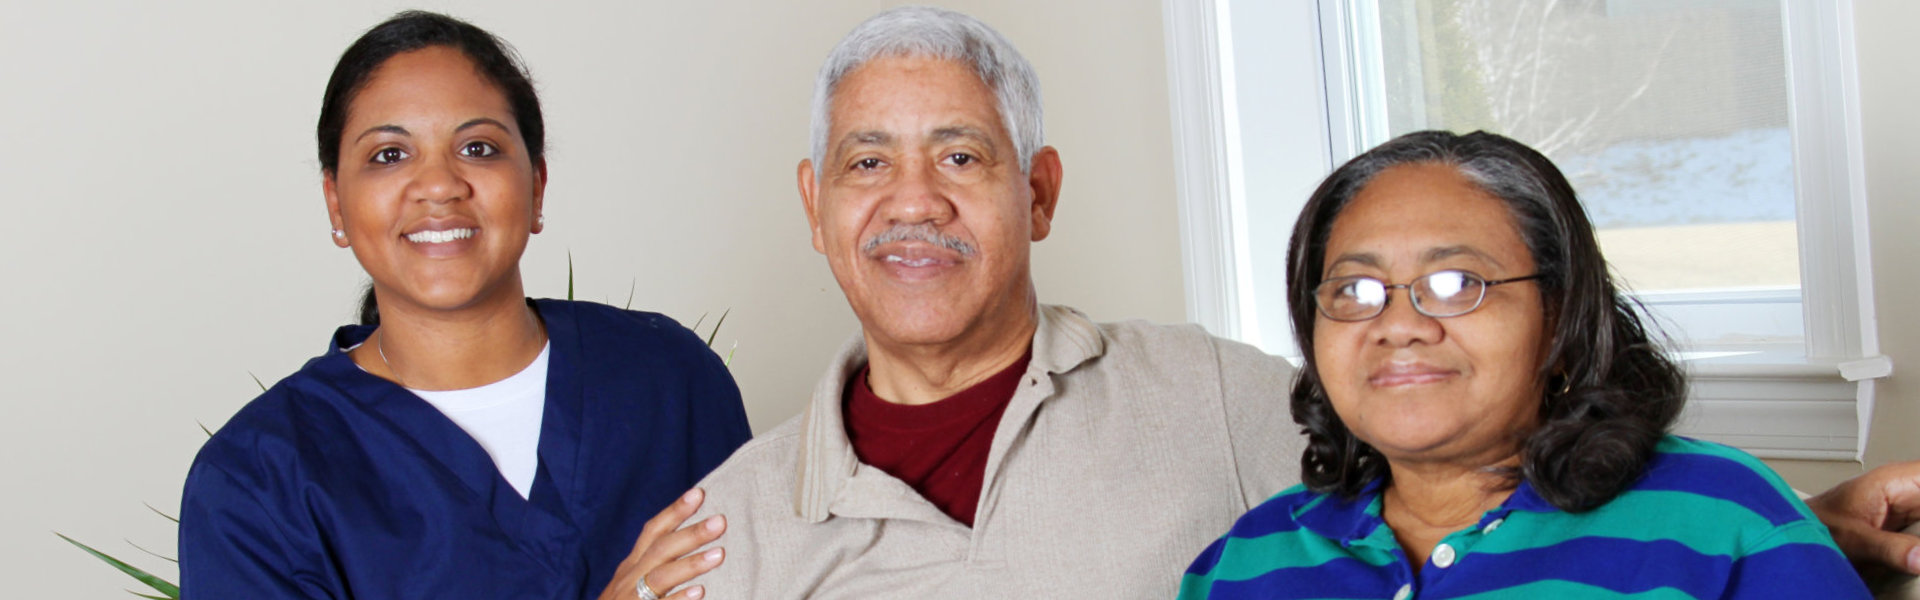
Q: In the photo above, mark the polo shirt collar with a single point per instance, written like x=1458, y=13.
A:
x=1525, y=499
x=1355, y=520
x=1345, y=519
x=1063, y=339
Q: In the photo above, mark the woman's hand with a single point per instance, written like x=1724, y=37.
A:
x=1866, y=512
x=662, y=554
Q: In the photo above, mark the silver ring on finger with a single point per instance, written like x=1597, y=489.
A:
x=646, y=593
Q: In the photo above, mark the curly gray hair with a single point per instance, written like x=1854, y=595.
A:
x=921, y=31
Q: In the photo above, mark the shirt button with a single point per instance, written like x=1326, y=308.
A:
x=1443, y=556
x=1406, y=591
x=1492, y=526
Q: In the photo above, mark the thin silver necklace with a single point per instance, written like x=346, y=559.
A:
x=382, y=350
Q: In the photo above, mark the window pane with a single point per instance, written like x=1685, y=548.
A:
x=1669, y=116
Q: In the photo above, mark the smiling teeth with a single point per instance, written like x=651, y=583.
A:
x=440, y=237
x=918, y=262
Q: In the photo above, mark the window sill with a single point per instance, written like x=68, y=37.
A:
x=1777, y=403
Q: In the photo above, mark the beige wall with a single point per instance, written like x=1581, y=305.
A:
x=1890, y=91
x=166, y=236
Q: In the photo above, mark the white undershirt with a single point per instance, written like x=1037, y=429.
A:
x=504, y=416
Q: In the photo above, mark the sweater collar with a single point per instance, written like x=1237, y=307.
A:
x=1063, y=339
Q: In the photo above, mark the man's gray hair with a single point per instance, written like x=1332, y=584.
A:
x=921, y=31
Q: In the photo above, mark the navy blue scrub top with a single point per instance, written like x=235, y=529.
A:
x=339, y=484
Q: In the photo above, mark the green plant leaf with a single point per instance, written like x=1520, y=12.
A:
x=152, y=597
x=569, y=275
x=729, y=362
x=203, y=427
x=697, y=322
x=150, y=552
x=256, y=381
x=716, y=327
x=156, y=511
x=171, y=591
x=630, y=287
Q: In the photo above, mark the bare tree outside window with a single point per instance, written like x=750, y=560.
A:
x=1670, y=117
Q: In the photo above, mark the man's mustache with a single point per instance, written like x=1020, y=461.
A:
x=918, y=232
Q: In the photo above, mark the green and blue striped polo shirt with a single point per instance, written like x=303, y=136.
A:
x=1706, y=521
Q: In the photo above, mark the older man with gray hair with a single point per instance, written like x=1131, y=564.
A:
x=972, y=442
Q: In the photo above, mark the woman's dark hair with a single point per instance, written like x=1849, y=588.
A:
x=369, y=311
x=415, y=30
x=1611, y=394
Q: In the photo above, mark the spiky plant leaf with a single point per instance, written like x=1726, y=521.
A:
x=151, y=553
x=716, y=326
x=156, y=511
x=171, y=591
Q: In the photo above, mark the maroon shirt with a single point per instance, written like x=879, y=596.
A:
x=941, y=448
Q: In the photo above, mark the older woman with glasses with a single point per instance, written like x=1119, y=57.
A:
x=1486, y=415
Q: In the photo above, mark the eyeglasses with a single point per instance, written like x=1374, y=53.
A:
x=1438, y=294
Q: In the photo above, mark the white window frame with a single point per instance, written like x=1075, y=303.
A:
x=1804, y=400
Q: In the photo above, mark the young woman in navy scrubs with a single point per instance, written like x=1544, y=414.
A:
x=465, y=441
